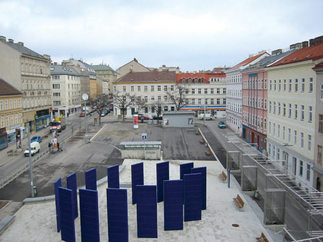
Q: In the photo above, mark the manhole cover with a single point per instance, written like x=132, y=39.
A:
x=235, y=225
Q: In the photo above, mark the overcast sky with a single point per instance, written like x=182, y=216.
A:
x=194, y=35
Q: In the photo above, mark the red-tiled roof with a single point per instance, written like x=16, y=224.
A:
x=309, y=53
x=150, y=76
x=248, y=60
x=6, y=89
x=318, y=66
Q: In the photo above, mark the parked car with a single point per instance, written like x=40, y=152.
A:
x=34, y=148
x=222, y=125
x=141, y=116
x=105, y=112
x=82, y=114
x=158, y=118
x=38, y=139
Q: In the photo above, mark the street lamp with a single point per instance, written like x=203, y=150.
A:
x=85, y=97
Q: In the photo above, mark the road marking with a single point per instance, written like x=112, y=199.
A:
x=97, y=133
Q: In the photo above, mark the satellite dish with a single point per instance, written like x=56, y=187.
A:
x=85, y=96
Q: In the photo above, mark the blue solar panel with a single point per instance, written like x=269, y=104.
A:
x=173, y=205
x=137, y=178
x=202, y=170
x=113, y=177
x=66, y=214
x=162, y=170
x=185, y=169
x=72, y=184
x=57, y=184
x=90, y=179
x=192, y=196
x=89, y=210
x=147, y=212
x=117, y=215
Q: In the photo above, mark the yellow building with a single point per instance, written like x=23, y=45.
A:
x=291, y=113
x=132, y=66
x=10, y=112
x=107, y=75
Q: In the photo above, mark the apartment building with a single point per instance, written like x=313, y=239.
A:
x=318, y=142
x=254, y=100
x=132, y=66
x=234, y=91
x=292, y=112
x=107, y=75
x=151, y=87
x=66, y=89
x=11, y=117
x=29, y=72
x=204, y=92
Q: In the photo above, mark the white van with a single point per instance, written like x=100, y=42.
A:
x=34, y=148
x=208, y=116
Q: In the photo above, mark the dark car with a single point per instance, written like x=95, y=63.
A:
x=36, y=139
x=143, y=117
x=222, y=125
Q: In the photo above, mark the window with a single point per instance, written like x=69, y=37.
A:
x=165, y=98
x=290, y=85
x=308, y=172
x=289, y=134
x=302, y=112
x=270, y=107
x=296, y=85
x=278, y=130
x=218, y=101
x=218, y=90
x=124, y=88
x=199, y=91
x=1, y=105
x=145, y=88
x=274, y=111
x=212, y=100
x=172, y=87
x=193, y=91
x=56, y=103
x=310, y=88
x=319, y=154
x=224, y=101
x=275, y=85
x=284, y=109
x=199, y=101
x=303, y=85
x=193, y=100
x=205, y=101
x=284, y=85
x=212, y=90
x=279, y=85
x=310, y=115
x=295, y=137
x=302, y=140
x=309, y=143
x=224, y=90
x=274, y=129
x=295, y=113
x=321, y=92
x=132, y=88
x=278, y=108
x=301, y=168
x=165, y=88
x=289, y=110
x=146, y=98
x=56, y=86
x=159, y=98
x=139, y=88
x=152, y=88
x=56, y=94
x=284, y=130
x=270, y=85
x=159, y=88
x=321, y=123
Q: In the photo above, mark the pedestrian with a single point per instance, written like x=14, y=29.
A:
x=58, y=147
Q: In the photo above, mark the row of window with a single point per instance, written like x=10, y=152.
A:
x=11, y=120
x=36, y=102
x=10, y=104
x=36, y=68
x=286, y=134
x=234, y=107
x=35, y=84
x=58, y=77
x=255, y=120
x=296, y=85
x=255, y=84
x=234, y=93
x=205, y=101
x=255, y=102
x=297, y=165
x=285, y=110
x=206, y=91
x=234, y=78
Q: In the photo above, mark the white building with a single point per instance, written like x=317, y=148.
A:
x=151, y=87
x=234, y=92
x=66, y=90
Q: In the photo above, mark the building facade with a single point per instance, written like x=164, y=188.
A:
x=66, y=90
x=11, y=113
x=318, y=143
x=107, y=75
x=254, y=100
x=292, y=107
x=132, y=66
x=29, y=72
x=204, y=92
x=234, y=92
x=151, y=88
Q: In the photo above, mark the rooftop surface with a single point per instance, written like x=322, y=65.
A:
x=150, y=76
x=37, y=221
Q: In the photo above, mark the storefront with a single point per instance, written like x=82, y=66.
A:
x=42, y=119
x=254, y=137
x=3, y=139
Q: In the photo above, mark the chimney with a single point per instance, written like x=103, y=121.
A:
x=21, y=43
x=3, y=38
x=277, y=52
x=304, y=44
x=316, y=41
x=10, y=40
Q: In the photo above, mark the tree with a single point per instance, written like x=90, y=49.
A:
x=141, y=103
x=158, y=107
x=177, y=96
x=99, y=105
x=123, y=101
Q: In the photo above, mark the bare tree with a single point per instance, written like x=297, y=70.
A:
x=158, y=107
x=98, y=106
x=177, y=96
x=123, y=101
x=141, y=103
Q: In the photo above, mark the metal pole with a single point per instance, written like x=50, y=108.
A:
x=30, y=164
x=86, y=140
x=228, y=178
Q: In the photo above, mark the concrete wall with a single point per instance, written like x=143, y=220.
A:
x=180, y=120
x=148, y=154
